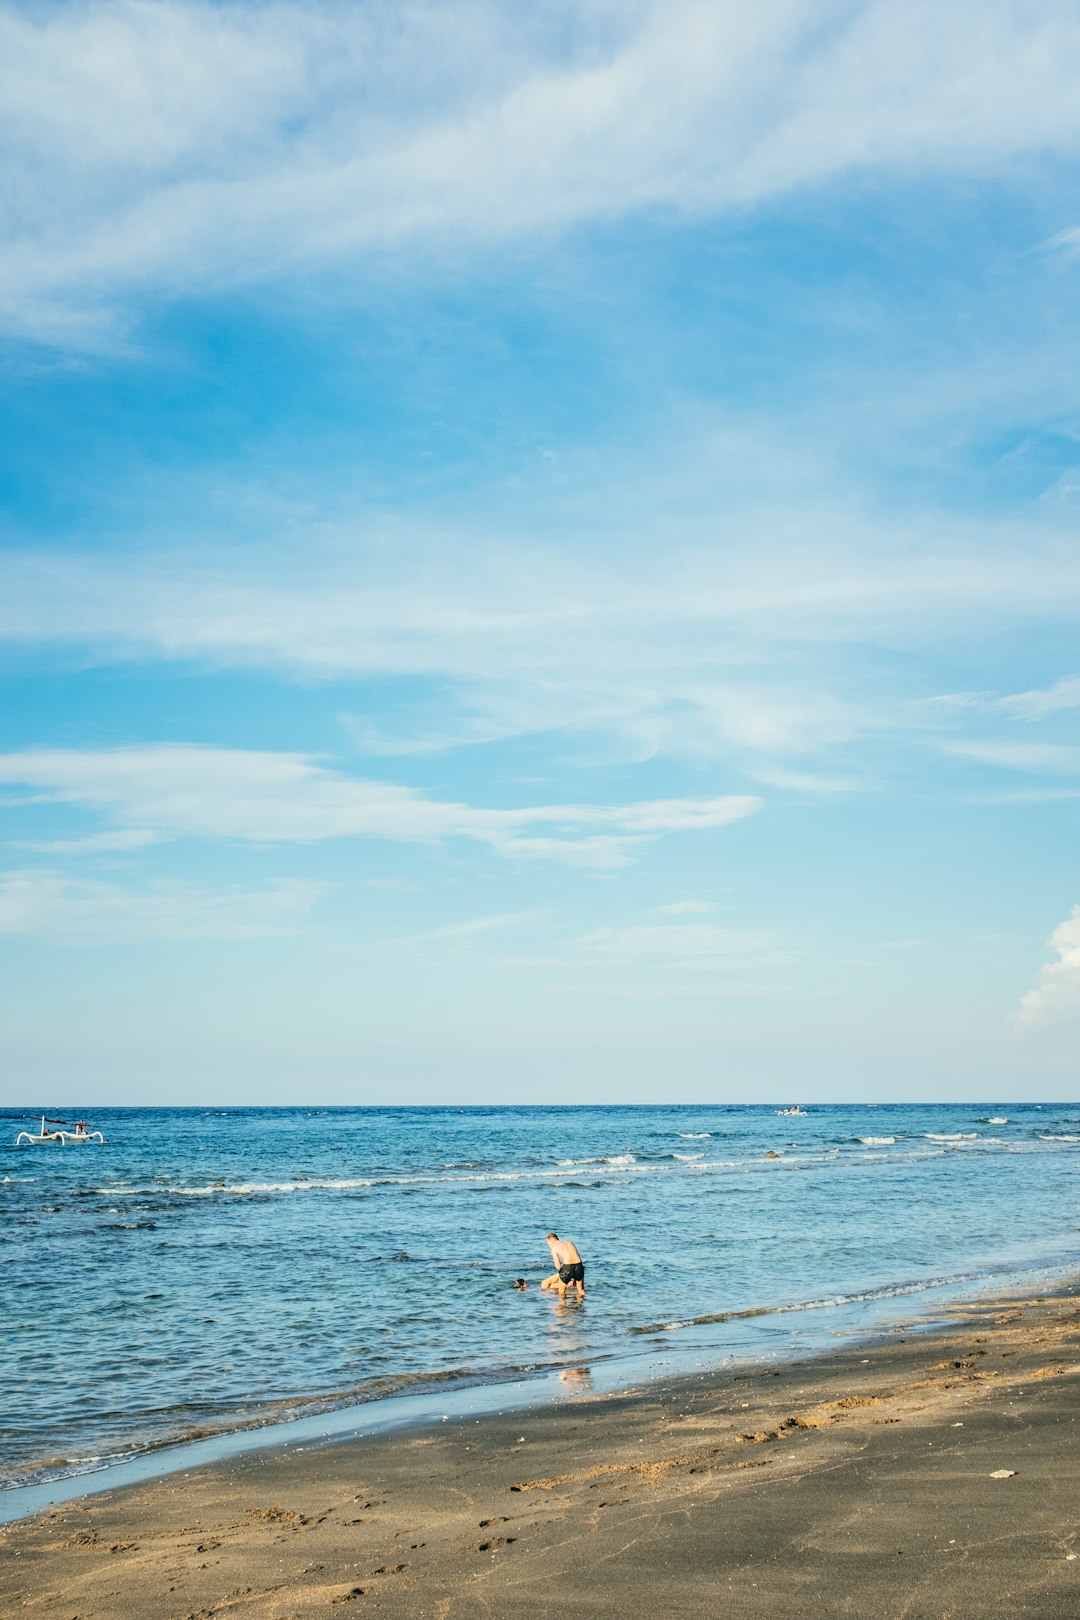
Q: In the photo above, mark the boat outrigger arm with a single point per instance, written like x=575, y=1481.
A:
x=64, y=1138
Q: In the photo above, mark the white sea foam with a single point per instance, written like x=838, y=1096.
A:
x=1049, y=1138
x=611, y=1165
x=886, y=1291
x=239, y=1189
x=614, y=1165
x=617, y=1160
x=996, y=1119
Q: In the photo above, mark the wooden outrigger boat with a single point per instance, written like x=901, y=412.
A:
x=65, y=1137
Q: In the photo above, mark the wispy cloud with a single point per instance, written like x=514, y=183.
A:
x=809, y=782
x=754, y=650
x=1057, y=994
x=685, y=908
x=1035, y=705
x=183, y=146
x=1066, y=242
x=1046, y=759
x=483, y=925
x=955, y=703
x=686, y=945
x=259, y=797
x=1061, y=695
x=123, y=840
x=49, y=905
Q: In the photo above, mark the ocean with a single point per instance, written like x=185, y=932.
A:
x=206, y=1270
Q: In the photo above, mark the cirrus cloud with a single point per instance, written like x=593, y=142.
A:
x=40, y=903
x=253, y=796
x=698, y=945
x=184, y=146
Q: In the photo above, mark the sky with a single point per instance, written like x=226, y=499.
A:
x=539, y=551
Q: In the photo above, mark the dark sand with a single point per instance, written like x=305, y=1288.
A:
x=861, y=1483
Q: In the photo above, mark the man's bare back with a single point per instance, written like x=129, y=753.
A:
x=569, y=1267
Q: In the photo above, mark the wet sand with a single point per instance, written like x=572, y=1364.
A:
x=859, y=1483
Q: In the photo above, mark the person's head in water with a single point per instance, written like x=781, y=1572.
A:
x=520, y=1283
x=552, y=1237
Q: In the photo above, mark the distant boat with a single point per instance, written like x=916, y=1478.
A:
x=67, y=1136
x=792, y=1113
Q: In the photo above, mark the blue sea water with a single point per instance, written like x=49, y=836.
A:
x=205, y=1270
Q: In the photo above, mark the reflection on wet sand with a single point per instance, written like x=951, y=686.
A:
x=568, y=1340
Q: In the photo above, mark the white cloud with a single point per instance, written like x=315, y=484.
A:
x=258, y=797
x=1034, y=705
x=1049, y=759
x=1065, y=242
x=671, y=658
x=685, y=908
x=1057, y=994
x=44, y=904
x=813, y=782
x=492, y=923
x=949, y=703
x=1027, y=795
x=119, y=842
x=1025, y=705
x=670, y=947
x=749, y=645
x=183, y=146
x=694, y=945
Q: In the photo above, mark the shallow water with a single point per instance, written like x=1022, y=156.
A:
x=204, y=1270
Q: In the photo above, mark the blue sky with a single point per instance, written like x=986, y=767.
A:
x=540, y=552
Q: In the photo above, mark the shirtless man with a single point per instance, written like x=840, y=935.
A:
x=569, y=1266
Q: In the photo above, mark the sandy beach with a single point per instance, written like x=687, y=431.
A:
x=930, y=1473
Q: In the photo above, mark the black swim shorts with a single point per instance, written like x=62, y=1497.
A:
x=574, y=1273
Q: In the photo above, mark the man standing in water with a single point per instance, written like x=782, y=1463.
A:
x=569, y=1266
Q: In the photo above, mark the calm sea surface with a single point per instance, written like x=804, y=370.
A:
x=204, y=1270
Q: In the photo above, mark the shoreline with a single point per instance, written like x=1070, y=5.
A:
x=432, y=1397
x=812, y=1486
